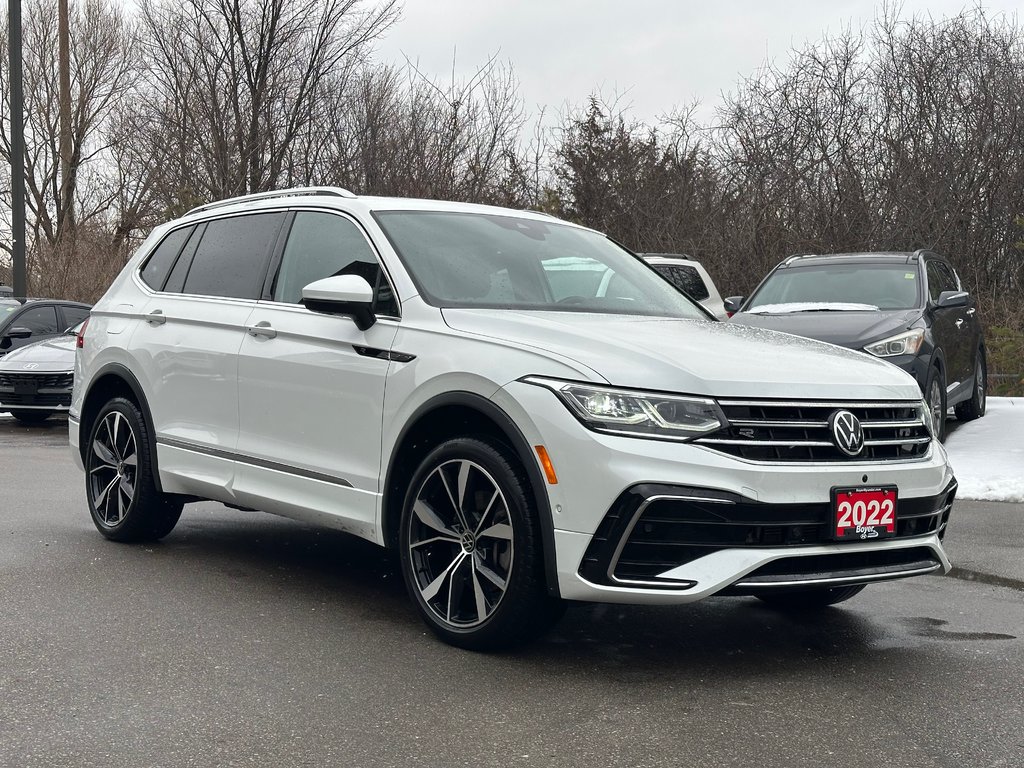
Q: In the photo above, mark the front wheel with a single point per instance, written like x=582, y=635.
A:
x=935, y=395
x=471, y=550
x=972, y=409
x=811, y=599
x=119, y=478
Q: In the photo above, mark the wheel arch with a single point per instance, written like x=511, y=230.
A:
x=110, y=381
x=450, y=415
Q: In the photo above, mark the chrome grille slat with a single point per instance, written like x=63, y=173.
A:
x=797, y=431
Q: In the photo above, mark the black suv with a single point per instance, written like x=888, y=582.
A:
x=23, y=321
x=908, y=308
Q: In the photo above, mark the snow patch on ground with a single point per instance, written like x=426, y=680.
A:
x=987, y=454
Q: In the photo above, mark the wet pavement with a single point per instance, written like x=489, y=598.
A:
x=245, y=639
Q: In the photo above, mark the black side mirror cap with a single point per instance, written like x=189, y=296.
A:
x=18, y=332
x=733, y=304
x=952, y=299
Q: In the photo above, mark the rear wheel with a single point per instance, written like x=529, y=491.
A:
x=119, y=482
x=811, y=599
x=935, y=395
x=471, y=550
x=31, y=417
x=969, y=410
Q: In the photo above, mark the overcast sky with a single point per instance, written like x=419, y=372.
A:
x=655, y=54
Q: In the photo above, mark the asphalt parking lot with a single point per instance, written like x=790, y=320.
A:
x=244, y=639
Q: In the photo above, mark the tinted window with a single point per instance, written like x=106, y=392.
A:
x=176, y=280
x=512, y=262
x=232, y=256
x=73, y=316
x=686, y=279
x=940, y=278
x=40, y=320
x=876, y=286
x=159, y=264
x=324, y=245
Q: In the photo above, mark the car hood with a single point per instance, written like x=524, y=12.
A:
x=693, y=356
x=851, y=329
x=46, y=356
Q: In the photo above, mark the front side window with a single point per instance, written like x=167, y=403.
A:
x=232, y=256
x=42, y=321
x=326, y=245
x=506, y=262
x=940, y=278
x=838, y=286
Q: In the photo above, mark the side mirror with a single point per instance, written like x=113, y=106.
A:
x=733, y=304
x=18, y=333
x=952, y=299
x=342, y=295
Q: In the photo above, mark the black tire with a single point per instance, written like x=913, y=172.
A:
x=31, y=417
x=935, y=397
x=972, y=409
x=471, y=551
x=119, y=478
x=811, y=599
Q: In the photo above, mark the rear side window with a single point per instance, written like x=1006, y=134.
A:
x=158, y=265
x=73, y=316
x=686, y=279
x=232, y=256
x=325, y=245
x=40, y=320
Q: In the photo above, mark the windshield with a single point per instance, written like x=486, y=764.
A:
x=839, y=287
x=506, y=262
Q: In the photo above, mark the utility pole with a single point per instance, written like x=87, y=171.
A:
x=17, y=147
x=65, y=218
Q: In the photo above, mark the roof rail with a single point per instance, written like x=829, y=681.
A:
x=790, y=259
x=291, y=192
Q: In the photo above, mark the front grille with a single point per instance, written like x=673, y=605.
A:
x=652, y=529
x=798, y=431
x=46, y=390
x=40, y=380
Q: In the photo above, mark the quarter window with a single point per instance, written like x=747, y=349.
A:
x=232, y=256
x=686, y=279
x=73, y=316
x=325, y=245
x=158, y=265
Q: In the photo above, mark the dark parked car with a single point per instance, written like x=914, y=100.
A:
x=908, y=308
x=23, y=321
x=36, y=379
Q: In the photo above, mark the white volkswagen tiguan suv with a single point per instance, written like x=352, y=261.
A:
x=467, y=385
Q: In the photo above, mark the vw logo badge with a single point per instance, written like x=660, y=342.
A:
x=30, y=366
x=847, y=433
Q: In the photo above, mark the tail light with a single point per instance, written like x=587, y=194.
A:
x=80, y=336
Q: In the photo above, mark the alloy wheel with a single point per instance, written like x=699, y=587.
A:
x=935, y=405
x=113, y=468
x=460, y=543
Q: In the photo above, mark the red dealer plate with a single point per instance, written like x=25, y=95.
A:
x=863, y=513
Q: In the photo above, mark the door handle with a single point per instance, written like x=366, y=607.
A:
x=959, y=322
x=156, y=317
x=262, y=329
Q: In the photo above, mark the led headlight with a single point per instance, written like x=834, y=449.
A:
x=634, y=412
x=906, y=343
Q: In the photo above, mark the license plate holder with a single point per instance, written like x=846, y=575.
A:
x=25, y=388
x=864, y=513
